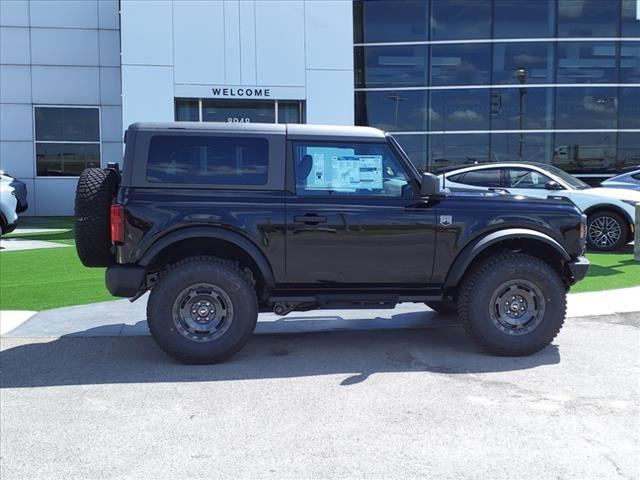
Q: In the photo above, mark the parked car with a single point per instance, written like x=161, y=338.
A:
x=222, y=220
x=610, y=212
x=20, y=191
x=629, y=180
x=8, y=204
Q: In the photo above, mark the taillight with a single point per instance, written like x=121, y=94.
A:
x=117, y=223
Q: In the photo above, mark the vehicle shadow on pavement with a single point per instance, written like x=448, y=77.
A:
x=355, y=355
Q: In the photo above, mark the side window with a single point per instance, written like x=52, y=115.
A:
x=525, y=178
x=487, y=177
x=326, y=169
x=458, y=178
x=636, y=176
x=192, y=159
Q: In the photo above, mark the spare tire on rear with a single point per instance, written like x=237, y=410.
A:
x=94, y=194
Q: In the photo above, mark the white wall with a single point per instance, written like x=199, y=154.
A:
x=56, y=52
x=302, y=47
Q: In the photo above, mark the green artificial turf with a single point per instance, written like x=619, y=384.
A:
x=48, y=277
x=54, y=277
x=610, y=270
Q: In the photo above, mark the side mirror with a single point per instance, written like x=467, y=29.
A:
x=431, y=186
x=553, y=185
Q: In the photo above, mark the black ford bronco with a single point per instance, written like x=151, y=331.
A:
x=222, y=221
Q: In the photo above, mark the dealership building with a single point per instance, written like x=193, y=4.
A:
x=456, y=81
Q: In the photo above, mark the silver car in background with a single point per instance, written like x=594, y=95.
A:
x=630, y=180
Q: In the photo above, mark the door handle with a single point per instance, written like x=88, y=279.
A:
x=310, y=219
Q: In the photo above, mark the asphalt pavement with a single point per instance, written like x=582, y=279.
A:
x=327, y=399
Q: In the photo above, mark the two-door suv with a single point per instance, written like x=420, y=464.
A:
x=221, y=221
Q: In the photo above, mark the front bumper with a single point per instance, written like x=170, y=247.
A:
x=578, y=268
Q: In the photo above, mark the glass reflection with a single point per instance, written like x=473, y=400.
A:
x=630, y=62
x=588, y=62
x=459, y=109
x=460, y=19
x=588, y=18
x=517, y=108
x=462, y=64
x=528, y=147
x=585, y=152
x=588, y=107
x=511, y=20
x=393, y=110
x=457, y=149
x=416, y=147
x=535, y=58
x=628, y=150
x=629, y=110
x=630, y=21
x=391, y=66
x=390, y=21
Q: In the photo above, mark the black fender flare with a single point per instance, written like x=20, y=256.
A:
x=473, y=249
x=213, y=232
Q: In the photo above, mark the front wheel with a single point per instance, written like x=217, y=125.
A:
x=513, y=304
x=606, y=231
x=202, y=311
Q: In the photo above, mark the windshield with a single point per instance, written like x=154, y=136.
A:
x=572, y=181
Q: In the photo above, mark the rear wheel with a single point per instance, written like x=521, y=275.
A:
x=202, y=311
x=513, y=304
x=606, y=231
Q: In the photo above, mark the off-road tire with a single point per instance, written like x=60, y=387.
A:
x=614, y=216
x=484, y=280
x=94, y=195
x=443, y=307
x=223, y=274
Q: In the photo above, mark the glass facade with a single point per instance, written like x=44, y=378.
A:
x=465, y=81
x=238, y=111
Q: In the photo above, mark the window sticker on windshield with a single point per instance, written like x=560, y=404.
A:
x=355, y=172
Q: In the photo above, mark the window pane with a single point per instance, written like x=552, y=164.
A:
x=348, y=169
x=208, y=160
x=393, y=110
x=628, y=150
x=187, y=110
x=630, y=62
x=390, y=20
x=490, y=177
x=67, y=124
x=536, y=147
x=460, y=19
x=289, y=112
x=238, y=111
x=459, y=109
x=391, y=66
x=592, y=62
x=588, y=18
x=460, y=149
x=525, y=178
x=535, y=112
x=466, y=64
x=416, y=147
x=630, y=18
x=536, y=59
x=589, y=107
x=585, y=152
x=629, y=116
x=66, y=159
x=535, y=20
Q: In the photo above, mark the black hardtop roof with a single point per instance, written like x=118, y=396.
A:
x=291, y=130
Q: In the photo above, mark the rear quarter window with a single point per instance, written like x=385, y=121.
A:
x=212, y=160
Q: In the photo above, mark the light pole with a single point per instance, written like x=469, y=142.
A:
x=397, y=99
x=521, y=75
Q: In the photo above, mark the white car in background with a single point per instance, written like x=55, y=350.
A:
x=8, y=206
x=610, y=211
x=630, y=180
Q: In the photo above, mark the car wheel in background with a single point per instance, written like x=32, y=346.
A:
x=606, y=231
